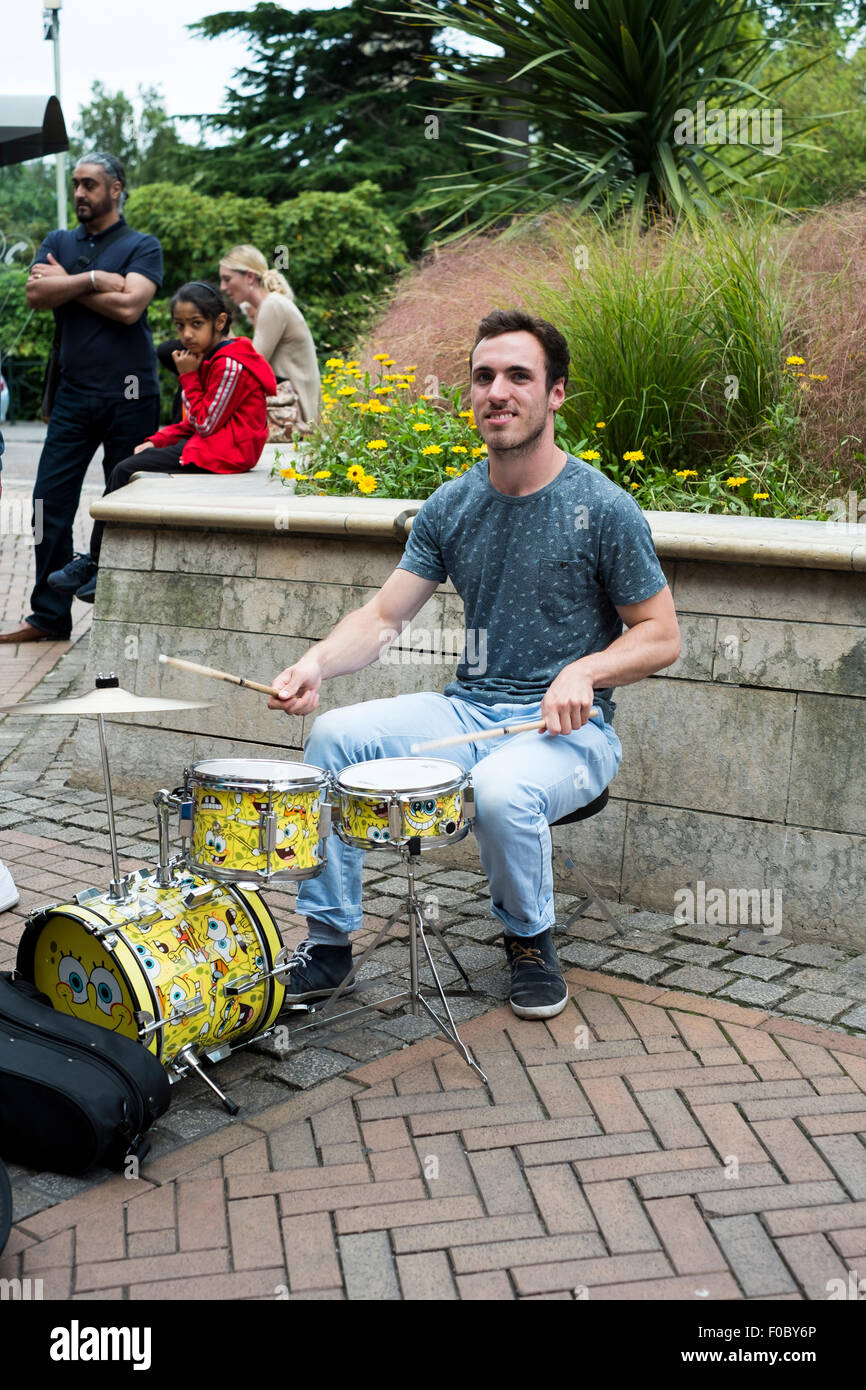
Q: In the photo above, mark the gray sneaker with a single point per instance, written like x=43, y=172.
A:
x=315, y=972
x=537, y=987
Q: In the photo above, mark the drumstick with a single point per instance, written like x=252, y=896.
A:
x=216, y=675
x=476, y=738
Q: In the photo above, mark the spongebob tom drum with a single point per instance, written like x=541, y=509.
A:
x=394, y=800
x=256, y=819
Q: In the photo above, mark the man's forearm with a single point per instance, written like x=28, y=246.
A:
x=637, y=653
x=112, y=304
x=354, y=643
x=50, y=291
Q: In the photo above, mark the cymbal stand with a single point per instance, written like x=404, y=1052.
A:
x=118, y=889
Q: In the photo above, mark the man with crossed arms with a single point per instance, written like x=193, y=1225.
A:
x=551, y=558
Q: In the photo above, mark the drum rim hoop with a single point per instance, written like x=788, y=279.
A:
x=410, y=794
x=224, y=783
x=455, y=784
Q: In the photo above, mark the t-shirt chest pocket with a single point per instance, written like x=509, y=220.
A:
x=564, y=587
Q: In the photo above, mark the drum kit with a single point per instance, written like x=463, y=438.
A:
x=186, y=957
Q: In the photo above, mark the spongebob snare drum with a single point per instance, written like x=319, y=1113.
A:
x=395, y=800
x=257, y=820
x=183, y=968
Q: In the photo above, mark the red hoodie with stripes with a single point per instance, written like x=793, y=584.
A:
x=226, y=415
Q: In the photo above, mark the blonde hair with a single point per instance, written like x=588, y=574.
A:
x=243, y=258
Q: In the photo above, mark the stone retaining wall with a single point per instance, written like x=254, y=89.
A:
x=743, y=763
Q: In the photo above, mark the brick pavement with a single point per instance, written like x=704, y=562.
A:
x=687, y=1149
x=690, y=1147
x=23, y=667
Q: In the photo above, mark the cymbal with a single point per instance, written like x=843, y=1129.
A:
x=109, y=700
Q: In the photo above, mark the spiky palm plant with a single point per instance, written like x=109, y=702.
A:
x=602, y=88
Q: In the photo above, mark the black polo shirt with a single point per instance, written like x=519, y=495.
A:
x=98, y=354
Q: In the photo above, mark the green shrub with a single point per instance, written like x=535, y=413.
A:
x=339, y=251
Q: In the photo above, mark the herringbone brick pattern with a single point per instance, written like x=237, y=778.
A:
x=645, y=1144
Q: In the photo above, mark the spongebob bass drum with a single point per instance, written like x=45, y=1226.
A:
x=185, y=969
x=257, y=820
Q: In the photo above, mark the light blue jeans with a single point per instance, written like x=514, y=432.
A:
x=522, y=783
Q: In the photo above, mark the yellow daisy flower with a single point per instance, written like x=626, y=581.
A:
x=322, y=473
x=367, y=484
x=633, y=456
x=452, y=472
x=459, y=449
x=372, y=444
x=476, y=453
x=382, y=390
x=335, y=362
x=432, y=449
x=356, y=471
x=379, y=357
x=600, y=425
x=288, y=473
x=422, y=427
x=795, y=361
x=347, y=390
x=590, y=454
x=736, y=482
x=760, y=496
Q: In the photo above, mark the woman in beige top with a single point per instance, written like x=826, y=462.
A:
x=281, y=333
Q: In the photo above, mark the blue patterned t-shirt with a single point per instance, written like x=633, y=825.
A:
x=538, y=575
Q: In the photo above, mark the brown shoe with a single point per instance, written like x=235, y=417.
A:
x=28, y=633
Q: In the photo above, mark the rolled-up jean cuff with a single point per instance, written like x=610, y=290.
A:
x=525, y=929
x=323, y=934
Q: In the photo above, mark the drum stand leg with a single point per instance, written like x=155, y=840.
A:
x=413, y=994
x=189, y=1059
x=395, y=917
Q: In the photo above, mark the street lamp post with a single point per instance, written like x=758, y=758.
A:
x=51, y=31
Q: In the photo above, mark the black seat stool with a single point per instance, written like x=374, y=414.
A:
x=562, y=859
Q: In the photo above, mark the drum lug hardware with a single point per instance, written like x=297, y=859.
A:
x=325, y=813
x=87, y=896
x=179, y=1014
x=469, y=802
x=235, y=987
x=107, y=934
x=149, y=912
x=395, y=820
x=40, y=916
x=144, y=1020
x=267, y=832
x=202, y=894
x=281, y=961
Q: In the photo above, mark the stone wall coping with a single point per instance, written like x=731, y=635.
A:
x=257, y=502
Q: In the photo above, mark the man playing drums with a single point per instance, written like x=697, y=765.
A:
x=551, y=558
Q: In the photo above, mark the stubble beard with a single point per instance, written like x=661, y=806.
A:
x=518, y=447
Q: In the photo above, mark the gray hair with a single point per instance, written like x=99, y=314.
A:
x=112, y=166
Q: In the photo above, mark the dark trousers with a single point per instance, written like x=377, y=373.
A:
x=80, y=422
x=165, y=460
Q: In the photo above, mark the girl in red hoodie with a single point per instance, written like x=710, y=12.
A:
x=225, y=383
